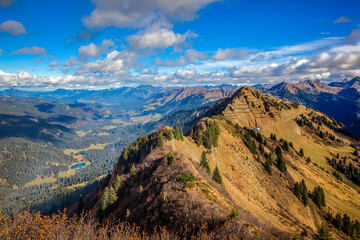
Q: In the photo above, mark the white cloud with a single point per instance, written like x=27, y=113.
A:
x=114, y=62
x=54, y=64
x=93, y=50
x=190, y=56
x=141, y=13
x=342, y=19
x=308, y=46
x=72, y=61
x=185, y=73
x=158, y=36
x=229, y=53
x=12, y=27
x=34, y=50
x=6, y=3
x=354, y=37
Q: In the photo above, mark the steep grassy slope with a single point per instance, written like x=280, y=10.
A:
x=339, y=99
x=182, y=195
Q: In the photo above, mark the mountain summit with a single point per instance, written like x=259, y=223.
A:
x=224, y=178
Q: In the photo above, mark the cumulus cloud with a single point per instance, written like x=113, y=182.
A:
x=12, y=27
x=72, y=61
x=6, y=3
x=342, y=19
x=34, y=50
x=190, y=56
x=354, y=37
x=158, y=36
x=92, y=50
x=140, y=13
x=115, y=62
x=229, y=54
x=54, y=64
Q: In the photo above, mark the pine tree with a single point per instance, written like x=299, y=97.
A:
x=338, y=221
x=346, y=228
x=104, y=199
x=268, y=164
x=165, y=162
x=278, y=152
x=308, y=160
x=305, y=195
x=301, y=152
x=285, y=146
x=181, y=135
x=281, y=164
x=117, y=183
x=204, y=162
x=192, y=133
x=169, y=134
x=170, y=157
x=198, y=137
x=177, y=133
x=356, y=152
x=132, y=170
x=323, y=233
x=112, y=196
x=217, y=176
x=160, y=140
x=318, y=196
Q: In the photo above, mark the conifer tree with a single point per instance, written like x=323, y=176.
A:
x=323, y=233
x=281, y=164
x=132, y=170
x=338, y=221
x=305, y=195
x=346, y=228
x=160, y=140
x=112, y=196
x=217, y=176
x=170, y=157
x=169, y=134
x=285, y=146
x=318, y=196
x=117, y=183
x=104, y=199
x=297, y=190
x=278, y=151
x=181, y=135
x=204, y=162
x=268, y=164
x=192, y=133
x=198, y=137
x=177, y=133
x=165, y=162
x=301, y=152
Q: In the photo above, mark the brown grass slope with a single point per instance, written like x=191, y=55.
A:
x=150, y=195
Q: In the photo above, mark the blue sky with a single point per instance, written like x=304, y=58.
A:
x=112, y=43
